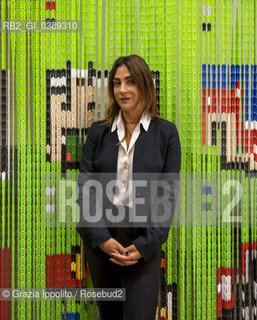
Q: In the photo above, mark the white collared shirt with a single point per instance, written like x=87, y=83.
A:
x=125, y=158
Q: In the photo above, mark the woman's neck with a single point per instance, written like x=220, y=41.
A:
x=130, y=118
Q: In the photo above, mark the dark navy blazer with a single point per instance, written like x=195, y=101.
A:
x=156, y=150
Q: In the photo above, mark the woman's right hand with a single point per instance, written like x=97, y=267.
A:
x=112, y=246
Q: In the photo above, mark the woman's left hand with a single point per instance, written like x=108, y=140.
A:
x=126, y=260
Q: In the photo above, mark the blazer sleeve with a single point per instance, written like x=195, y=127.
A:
x=98, y=232
x=149, y=242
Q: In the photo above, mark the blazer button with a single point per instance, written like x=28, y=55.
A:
x=138, y=194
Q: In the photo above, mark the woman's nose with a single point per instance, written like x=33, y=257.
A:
x=123, y=87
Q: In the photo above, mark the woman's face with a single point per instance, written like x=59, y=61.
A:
x=125, y=90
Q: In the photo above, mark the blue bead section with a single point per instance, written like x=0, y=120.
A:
x=206, y=190
x=227, y=77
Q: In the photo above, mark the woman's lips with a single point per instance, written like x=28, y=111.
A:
x=124, y=99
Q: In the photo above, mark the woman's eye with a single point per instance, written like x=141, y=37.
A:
x=115, y=84
x=131, y=82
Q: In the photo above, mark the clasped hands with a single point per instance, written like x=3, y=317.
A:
x=118, y=253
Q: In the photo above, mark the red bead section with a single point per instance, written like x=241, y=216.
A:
x=5, y=259
x=68, y=157
x=58, y=272
x=244, y=248
x=50, y=5
x=223, y=302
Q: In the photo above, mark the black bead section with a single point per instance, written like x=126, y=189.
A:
x=90, y=65
x=63, y=73
x=68, y=65
x=3, y=74
x=68, y=81
x=63, y=106
x=68, y=106
x=68, y=90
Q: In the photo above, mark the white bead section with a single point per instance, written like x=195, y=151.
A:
x=58, y=82
x=3, y=175
x=47, y=191
x=63, y=81
x=63, y=140
x=226, y=280
x=53, y=191
x=227, y=296
x=169, y=298
x=73, y=73
x=50, y=208
x=253, y=125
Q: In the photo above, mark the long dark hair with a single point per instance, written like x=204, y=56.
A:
x=142, y=76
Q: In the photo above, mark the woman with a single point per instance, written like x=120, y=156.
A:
x=132, y=138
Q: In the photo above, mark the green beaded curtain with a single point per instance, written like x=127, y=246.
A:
x=53, y=85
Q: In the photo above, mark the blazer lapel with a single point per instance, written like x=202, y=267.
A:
x=113, y=150
x=138, y=164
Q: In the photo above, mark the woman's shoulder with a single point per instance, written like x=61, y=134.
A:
x=97, y=127
x=164, y=124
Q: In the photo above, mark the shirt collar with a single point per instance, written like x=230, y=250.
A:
x=145, y=121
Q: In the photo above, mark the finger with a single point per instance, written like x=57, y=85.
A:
x=129, y=257
x=127, y=263
x=118, y=251
x=117, y=256
x=123, y=261
x=122, y=250
x=116, y=262
x=115, y=251
x=131, y=247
